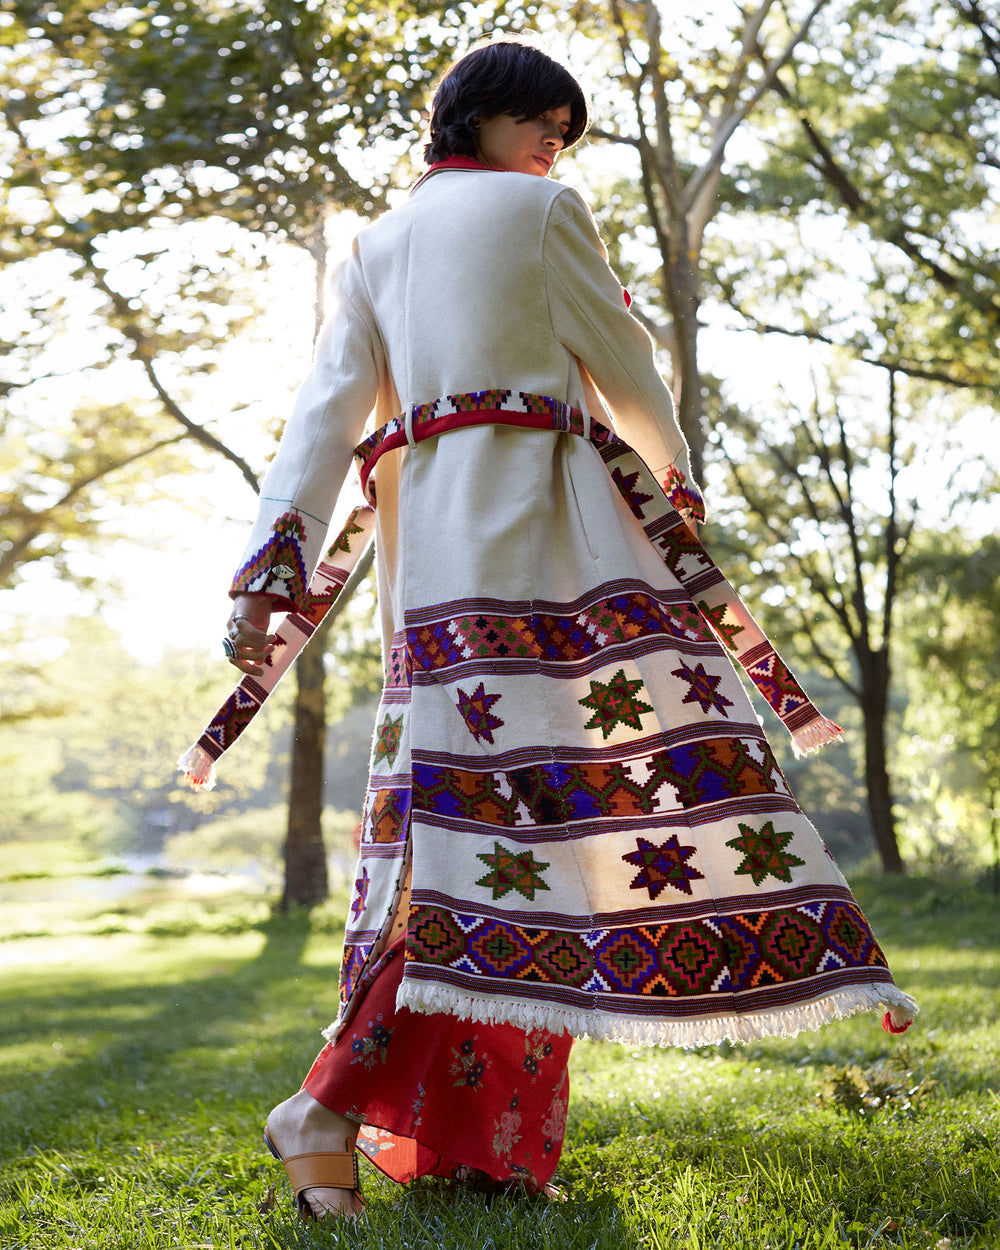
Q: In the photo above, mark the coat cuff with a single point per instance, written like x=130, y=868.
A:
x=279, y=566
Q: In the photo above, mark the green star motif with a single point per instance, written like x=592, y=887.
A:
x=764, y=853
x=615, y=702
x=343, y=543
x=389, y=734
x=727, y=631
x=512, y=870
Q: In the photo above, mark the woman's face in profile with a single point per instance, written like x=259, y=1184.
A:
x=523, y=147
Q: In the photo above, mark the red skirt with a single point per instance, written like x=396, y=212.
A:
x=436, y=1094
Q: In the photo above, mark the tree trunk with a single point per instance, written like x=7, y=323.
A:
x=304, y=852
x=306, y=881
x=685, y=302
x=875, y=707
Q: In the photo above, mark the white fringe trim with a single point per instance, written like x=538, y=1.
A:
x=818, y=733
x=198, y=768
x=428, y=997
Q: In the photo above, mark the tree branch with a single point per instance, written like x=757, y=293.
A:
x=36, y=522
x=817, y=582
x=847, y=513
x=755, y=326
x=731, y=118
x=84, y=249
x=612, y=136
x=974, y=15
x=826, y=660
x=829, y=169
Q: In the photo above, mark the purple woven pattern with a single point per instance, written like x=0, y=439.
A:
x=697, y=965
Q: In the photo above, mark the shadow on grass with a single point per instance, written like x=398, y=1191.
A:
x=118, y=1043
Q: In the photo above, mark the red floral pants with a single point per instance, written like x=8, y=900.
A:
x=436, y=1094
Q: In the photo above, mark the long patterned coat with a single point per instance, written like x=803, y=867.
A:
x=572, y=809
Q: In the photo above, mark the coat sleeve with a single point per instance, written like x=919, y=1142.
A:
x=300, y=491
x=591, y=320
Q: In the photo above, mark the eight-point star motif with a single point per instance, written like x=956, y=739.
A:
x=512, y=870
x=475, y=710
x=764, y=853
x=389, y=734
x=660, y=866
x=703, y=688
x=615, y=702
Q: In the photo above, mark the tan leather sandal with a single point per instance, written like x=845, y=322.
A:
x=326, y=1169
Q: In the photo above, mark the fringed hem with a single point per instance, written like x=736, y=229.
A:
x=198, y=768
x=632, y=1031
x=817, y=733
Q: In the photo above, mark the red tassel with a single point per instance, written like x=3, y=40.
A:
x=889, y=1027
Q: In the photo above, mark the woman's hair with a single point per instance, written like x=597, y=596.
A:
x=502, y=77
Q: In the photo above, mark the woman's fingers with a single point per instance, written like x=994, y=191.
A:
x=251, y=645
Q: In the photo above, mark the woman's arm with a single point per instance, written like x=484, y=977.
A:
x=300, y=490
x=590, y=319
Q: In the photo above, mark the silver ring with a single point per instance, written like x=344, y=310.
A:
x=229, y=649
x=233, y=630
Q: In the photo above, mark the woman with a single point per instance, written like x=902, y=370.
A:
x=574, y=824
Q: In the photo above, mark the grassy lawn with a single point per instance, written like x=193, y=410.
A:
x=142, y=1047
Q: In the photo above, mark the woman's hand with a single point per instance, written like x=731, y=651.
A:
x=247, y=630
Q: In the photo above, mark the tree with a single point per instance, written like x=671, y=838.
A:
x=827, y=503
x=956, y=718
x=165, y=113
x=680, y=119
x=170, y=112
x=856, y=216
x=888, y=125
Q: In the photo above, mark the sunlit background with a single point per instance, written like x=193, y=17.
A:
x=177, y=174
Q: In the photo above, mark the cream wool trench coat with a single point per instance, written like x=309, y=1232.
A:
x=554, y=717
x=482, y=280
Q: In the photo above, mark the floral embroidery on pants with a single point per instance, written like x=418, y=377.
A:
x=507, y=1136
x=468, y=1067
x=375, y=1047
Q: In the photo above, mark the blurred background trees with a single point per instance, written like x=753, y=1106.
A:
x=802, y=199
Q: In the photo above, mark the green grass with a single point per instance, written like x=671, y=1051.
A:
x=137, y=1066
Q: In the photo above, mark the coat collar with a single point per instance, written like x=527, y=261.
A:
x=452, y=162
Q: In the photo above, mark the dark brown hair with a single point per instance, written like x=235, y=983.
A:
x=503, y=77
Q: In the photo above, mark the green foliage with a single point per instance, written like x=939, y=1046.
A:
x=827, y=510
x=136, y=1078
x=153, y=154
x=354, y=656
x=954, y=753
x=108, y=747
x=888, y=1087
x=241, y=109
x=959, y=578
x=887, y=120
x=149, y=153
x=251, y=840
x=57, y=479
x=97, y=768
